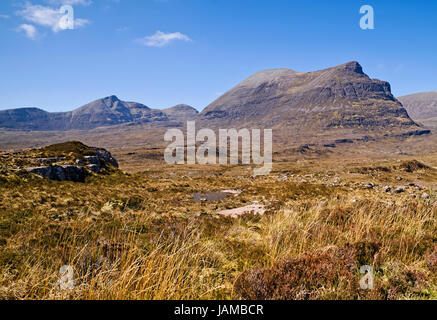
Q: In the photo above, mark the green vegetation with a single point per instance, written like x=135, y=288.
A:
x=71, y=148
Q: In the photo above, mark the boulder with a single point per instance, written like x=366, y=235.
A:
x=94, y=168
x=106, y=156
x=386, y=189
x=60, y=173
x=425, y=196
x=399, y=190
x=369, y=185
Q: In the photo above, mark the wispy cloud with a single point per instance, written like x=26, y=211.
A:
x=161, y=39
x=29, y=30
x=48, y=16
x=122, y=29
x=4, y=16
x=70, y=2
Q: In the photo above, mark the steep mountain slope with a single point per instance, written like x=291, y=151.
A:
x=181, y=113
x=341, y=98
x=421, y=106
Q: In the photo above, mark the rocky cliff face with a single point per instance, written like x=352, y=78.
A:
x=342, y=97
x=421, y=106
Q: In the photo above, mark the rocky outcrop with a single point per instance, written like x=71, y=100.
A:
x=61, y=173
x=100, y=160
x=105, y=156
x=74, y=161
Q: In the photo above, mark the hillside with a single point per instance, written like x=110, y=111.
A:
x=107, y=111
x=341, y=99
x=421, y=106
x=181, y=112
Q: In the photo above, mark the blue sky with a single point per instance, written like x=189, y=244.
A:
x=166, y=52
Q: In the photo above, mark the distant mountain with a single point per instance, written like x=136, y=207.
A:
x=181, y=112
x=341, y=98
x=340, y=102
x=103, y=112
x=421, y=106
x=27, y=118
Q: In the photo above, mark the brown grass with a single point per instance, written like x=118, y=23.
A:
x=140, y=235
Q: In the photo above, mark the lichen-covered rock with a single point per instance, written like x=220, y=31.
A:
x=61, y=173
x=67, y=161
x=106, y=156
x=94, y=168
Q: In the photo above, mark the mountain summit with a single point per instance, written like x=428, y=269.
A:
x=339, y=98
x=102, y=112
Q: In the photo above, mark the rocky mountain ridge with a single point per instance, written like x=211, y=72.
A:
x=339, y=98
x=103, y=112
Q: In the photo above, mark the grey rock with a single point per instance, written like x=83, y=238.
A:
x=60, y=173
x=369, y=185
x=399, y=190
x=387, y=188
x=93, y=159
x=106, y=156
x=94, y=168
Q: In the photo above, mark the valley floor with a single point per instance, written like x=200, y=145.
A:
x=140, y=235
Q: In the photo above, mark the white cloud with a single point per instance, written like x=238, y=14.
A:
x=4, y=16
x=122, y=29
x=48, y=17
x=161, y=39
x=70, y=2
x=29, y=30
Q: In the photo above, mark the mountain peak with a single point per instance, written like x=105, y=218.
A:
x=110, y=99
x=338, y=98
x=181, y=107
x=353, y=66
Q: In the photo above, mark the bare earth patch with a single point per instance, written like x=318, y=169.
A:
x=256, y=209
